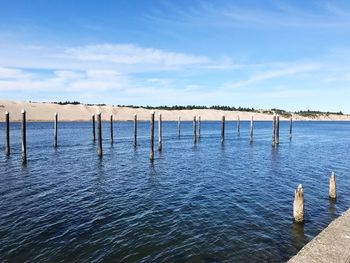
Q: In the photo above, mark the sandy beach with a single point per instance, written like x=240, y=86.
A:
x=44, y=111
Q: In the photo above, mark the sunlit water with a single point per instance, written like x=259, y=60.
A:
x=202, y=202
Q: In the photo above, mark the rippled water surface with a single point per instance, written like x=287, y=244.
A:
x=202, y=202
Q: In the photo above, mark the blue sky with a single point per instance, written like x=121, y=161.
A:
x=263, y=54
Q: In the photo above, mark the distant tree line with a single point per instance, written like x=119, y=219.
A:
x=310, y=113
x=281, y=112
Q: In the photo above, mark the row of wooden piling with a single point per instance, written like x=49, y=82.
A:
x=275, y=131
x=298, y=204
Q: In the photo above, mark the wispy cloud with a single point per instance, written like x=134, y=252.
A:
x=284, y=71
x=235, y=14
x=132, y=54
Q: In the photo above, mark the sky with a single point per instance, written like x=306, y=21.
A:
x=292, y=55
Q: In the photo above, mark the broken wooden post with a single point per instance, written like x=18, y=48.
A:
x=277, y=129
x=199, y=126
x=7, y=117
x=238, y=125
x=160, y=133
x=274, y=130
x=111, y=127
x=99, y=134
x=24, y=137
x=251, y=130
x=290, y=127
x=222, y=128
x=178, y=125
x=332, y=186
x=151, y=154
x=55, y=130
x=135, y=130
x=93, y=128
x=194, y=129
x=298, y=205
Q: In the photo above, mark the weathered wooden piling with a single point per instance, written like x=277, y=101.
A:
x=199, y=126
x=135, y=130
x=24, y=137
x=160, y=133
x=194, y=129
x=8, y=147
x=93, y=127
x=332, y=186
x=99, y=134
x=111, y=127
x=179, y=126
x=151, y=154
x=277, y=129
x=238, y=125
x=298, y=205
x=290, y=127
x=251, y=129
x=55, y=130
x=274, y=130
x=222, y=128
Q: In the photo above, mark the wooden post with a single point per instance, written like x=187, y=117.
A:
x=332, y=186
x=24, y=137
x=160, y=133
x=178, y=126
x=199, y=126
x=55, y=130
x=298, y=205
x=277, y=129
x=290, y=127
x=194, y=129
x=99, y=134
x=8, y=149
x=135, y=130
x=238, y=125
x=93, y=128
x=222, y=128
x=251, y=130
x=111, y=127
x=151, y=154
x=273, y=130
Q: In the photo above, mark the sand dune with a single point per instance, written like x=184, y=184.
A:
x=45, y=111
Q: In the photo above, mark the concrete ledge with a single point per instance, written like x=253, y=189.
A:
x=331, y=245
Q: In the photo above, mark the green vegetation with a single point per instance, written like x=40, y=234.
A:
x=283, y=113
x=315, y=114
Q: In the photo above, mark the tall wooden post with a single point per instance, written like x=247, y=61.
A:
x=178, y=126
x=238, y=125
x=135, y=130
x=93, y=127
x=111, y=127
x=55, y=130
x=251, y=130
x=199, y=126
x=222, y=128
x=277, y=129
x=151, y=154
x=332, y=186
x=160, y=133
x=298, y=205
x=290, y=127
x=273, y=130
x=8, y=149
x=99, y=134
x=24, y=137
x=194, y=129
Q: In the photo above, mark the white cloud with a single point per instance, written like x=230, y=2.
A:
x=274, y=73
x=132, y=54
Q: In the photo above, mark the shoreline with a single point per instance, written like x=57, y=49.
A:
x=44, y=112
